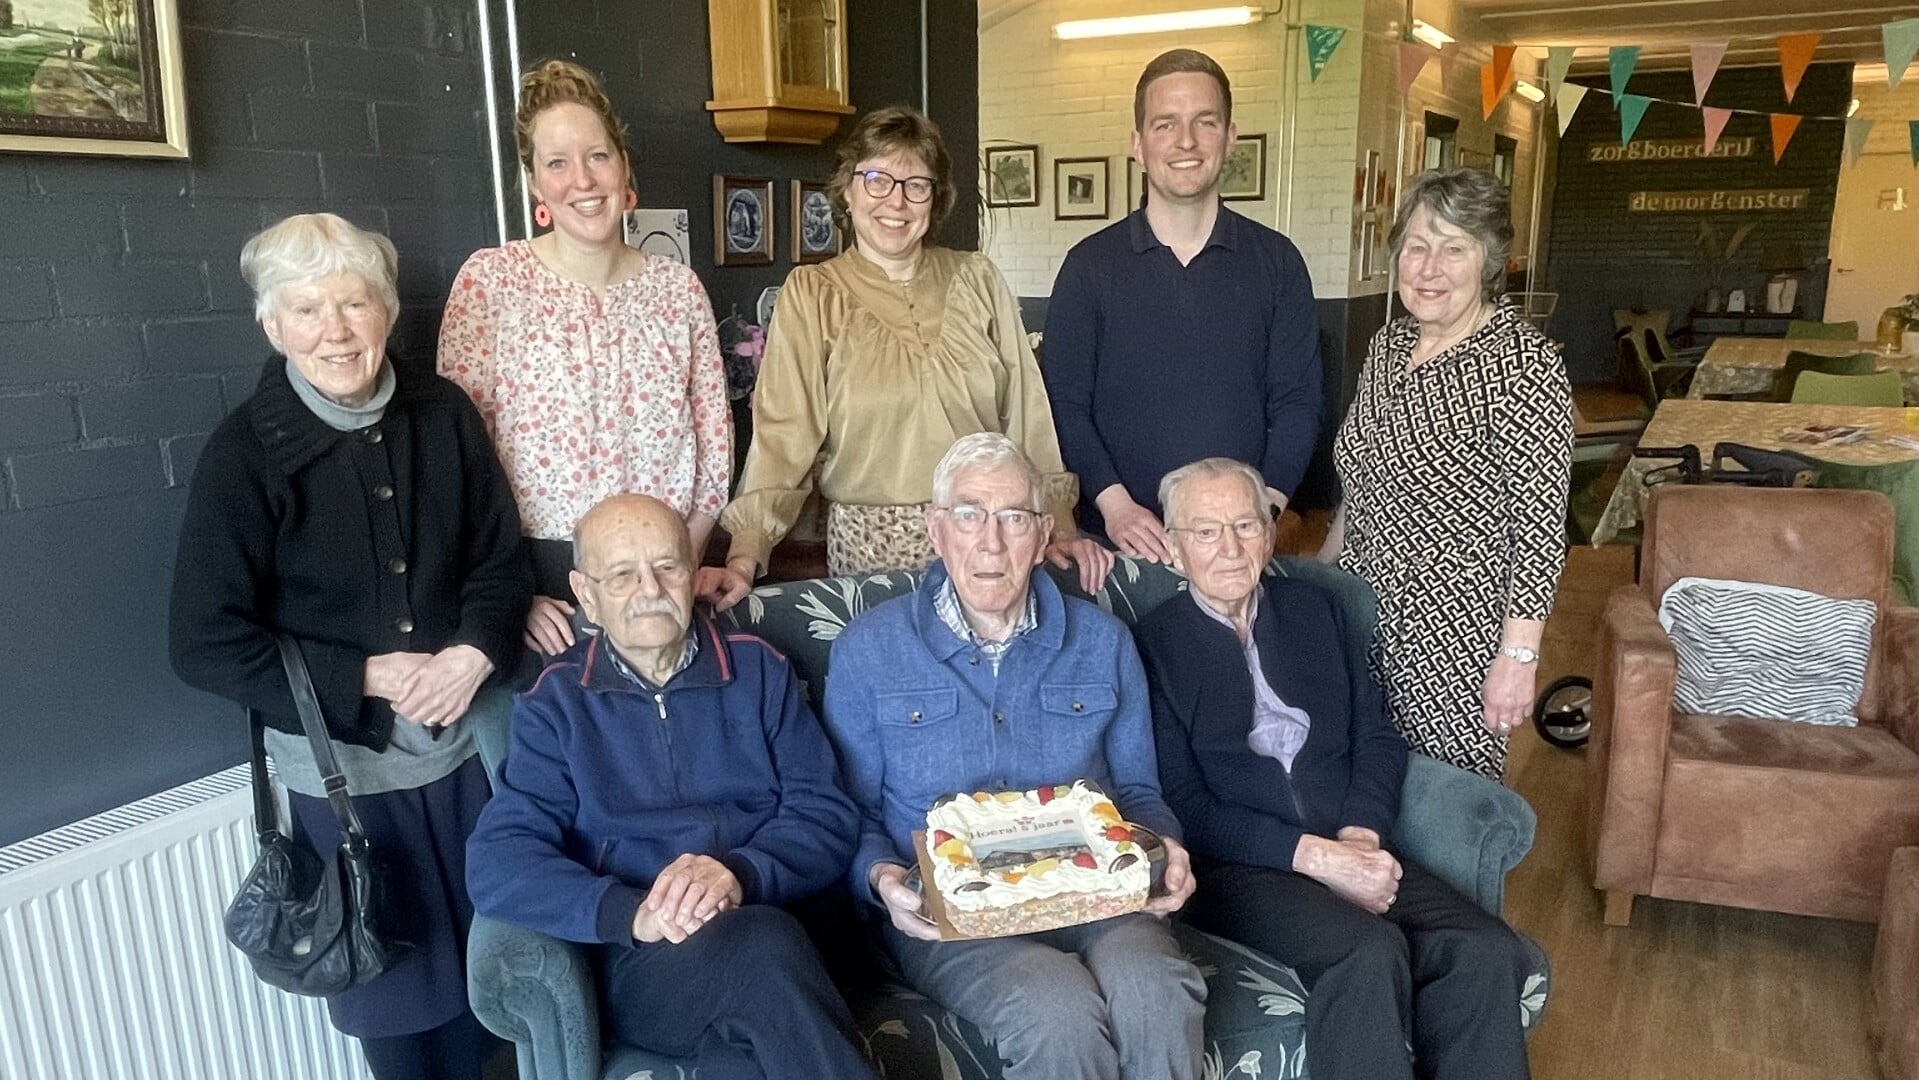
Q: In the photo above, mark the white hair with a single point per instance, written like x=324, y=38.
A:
x=1206, y=469
x=308, y=246
x=983, y=450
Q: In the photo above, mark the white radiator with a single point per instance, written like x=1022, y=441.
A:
x=113, y=965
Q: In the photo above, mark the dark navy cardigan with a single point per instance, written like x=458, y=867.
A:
x=1239, y=806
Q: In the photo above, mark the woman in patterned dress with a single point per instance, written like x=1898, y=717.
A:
x=595, y=366
x=881, y=358
x=1454, y=460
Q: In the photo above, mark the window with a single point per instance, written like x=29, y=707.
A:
x=1505, y=159
x=1441, y=134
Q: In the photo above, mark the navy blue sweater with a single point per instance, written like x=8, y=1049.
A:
x=1151, y=365
x=1239, y=806
x=607, y=781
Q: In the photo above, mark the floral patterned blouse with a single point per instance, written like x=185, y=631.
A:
x=586, y=395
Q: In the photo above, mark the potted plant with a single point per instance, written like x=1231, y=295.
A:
x=1718, y=257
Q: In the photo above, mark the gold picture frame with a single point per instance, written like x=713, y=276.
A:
x=112, y=89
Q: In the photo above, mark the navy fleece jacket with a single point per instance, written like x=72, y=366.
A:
x=607, y=781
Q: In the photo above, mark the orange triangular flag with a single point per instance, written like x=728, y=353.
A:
x=1715, y=123
x=1795, y=52
x=1488, y=91
x=1502, y=63
x=1783, y=125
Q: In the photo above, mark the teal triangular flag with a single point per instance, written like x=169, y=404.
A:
x=1559, y=60
x=1632, y=109
x=1901, y=40
x=1621, y=59
x=1857, y=129
x=1320, y=43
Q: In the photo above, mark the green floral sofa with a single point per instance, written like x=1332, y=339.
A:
x=539, y=993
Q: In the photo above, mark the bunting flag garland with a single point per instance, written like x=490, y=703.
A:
x=1559, y=60
x=1705, y=64
x=1490, y=91
x=1503, y=63
x=1620, y=60
x=1632, y=109
x=1447, y=54
x=1795, y=52
x=1783, y=125
x=1320, y=43
x=1566, y=103
x=1413, y=58
x=1715, y=123
x=1856, y=132
x=1912, y=129
x=1901, y=41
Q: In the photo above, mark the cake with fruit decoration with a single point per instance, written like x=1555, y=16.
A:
x=1019, y=862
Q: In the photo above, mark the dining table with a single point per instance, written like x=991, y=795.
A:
x=1748, y=365
x=1889, y=436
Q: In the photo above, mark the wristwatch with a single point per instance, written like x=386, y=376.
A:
x=1520, y=653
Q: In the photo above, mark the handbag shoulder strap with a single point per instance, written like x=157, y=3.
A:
x=331, y=778
x=266, y=814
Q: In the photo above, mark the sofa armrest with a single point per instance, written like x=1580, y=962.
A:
x=1899, y=700
x=1468, y=830
x=537, y=992
x=1626, y=755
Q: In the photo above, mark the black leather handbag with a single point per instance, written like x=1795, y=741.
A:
x=309, y=925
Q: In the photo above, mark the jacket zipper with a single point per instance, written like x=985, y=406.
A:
x=666, y=732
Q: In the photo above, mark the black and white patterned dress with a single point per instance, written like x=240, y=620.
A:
x=1455, y=477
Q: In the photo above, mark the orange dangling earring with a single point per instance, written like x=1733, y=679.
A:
x=632, y=199
x=542, y=216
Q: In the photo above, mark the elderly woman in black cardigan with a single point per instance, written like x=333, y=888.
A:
x=358, y=509
x=1276, y=756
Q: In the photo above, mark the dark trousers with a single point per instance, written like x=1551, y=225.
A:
x=747, y=995
x=1435, y=971
x=456, y=1050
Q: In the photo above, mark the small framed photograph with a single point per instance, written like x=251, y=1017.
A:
x=1012, y=176
x=1244, y=177
x=666, y=233
x=742, y=220
x=1135, y=185
x=816, y=234
x=1081, y=188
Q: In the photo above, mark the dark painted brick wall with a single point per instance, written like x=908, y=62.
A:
x=126, y=333
x=1604, y=257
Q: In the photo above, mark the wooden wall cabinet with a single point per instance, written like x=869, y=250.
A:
x=779, y=69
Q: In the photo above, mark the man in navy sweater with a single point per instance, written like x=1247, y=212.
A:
x=1183, y=331
x=1278, y=758
x=664, y=792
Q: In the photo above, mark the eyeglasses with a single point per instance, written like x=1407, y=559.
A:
x=621, y=584
x=879, y=184
x=971, y=520
x=1208, y=533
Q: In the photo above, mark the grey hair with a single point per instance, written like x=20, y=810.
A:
x=983, y=450
x=307, y=246
x=1469, y=199
x=1207, y=469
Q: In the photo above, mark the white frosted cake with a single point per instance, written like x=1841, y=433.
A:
x=1019, y=862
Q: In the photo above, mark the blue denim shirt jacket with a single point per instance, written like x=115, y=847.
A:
x=917, y=713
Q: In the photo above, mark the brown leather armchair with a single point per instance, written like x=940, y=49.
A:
x=1752, y=813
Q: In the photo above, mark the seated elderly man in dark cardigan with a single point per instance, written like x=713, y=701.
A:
x=1277, y=756
x=665, y=790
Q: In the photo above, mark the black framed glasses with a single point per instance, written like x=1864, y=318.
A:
x=879, y=184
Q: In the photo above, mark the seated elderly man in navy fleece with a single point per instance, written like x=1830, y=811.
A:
x=664, y=792
x=1278, y=757
x=986, y=678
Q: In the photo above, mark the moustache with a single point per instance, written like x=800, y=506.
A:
x=657, y=606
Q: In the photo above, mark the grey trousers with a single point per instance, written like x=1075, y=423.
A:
x=1111, y=1000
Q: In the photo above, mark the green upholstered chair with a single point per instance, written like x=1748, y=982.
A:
x=1825, y=331
x=1798, y=363
x=1898, y=481
x=1881, y=388
x=1657, y=381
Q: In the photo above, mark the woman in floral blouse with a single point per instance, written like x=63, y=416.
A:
x=595, y=366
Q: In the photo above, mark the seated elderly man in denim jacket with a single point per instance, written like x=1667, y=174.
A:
x=987, y=678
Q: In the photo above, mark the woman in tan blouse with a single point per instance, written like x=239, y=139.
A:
x=881, y=358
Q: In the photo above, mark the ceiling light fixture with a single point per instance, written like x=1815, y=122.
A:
x=1160, y=23
x=1430, y=34
x=1530, y=92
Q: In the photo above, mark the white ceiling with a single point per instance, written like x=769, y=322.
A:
x=1665, y=28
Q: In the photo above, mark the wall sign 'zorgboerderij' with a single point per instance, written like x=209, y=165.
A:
x=1723, y=200
x=1671, y=150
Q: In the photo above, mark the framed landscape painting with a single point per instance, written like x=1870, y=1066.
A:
x=1244, y=175
x=92, y=77
x=1012, y=176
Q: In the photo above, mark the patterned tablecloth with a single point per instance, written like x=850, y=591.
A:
x=1741, y=365
x=1707, y=423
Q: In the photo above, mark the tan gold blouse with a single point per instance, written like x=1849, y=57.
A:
x=883, y=376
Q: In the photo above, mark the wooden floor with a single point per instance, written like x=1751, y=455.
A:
x=1688, y=991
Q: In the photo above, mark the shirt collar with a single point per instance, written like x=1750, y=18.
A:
x=604, y=669
x=1252, y=609
x=1045, y=603
x=946, y=604
x=689, y=651
x=1225, y=231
